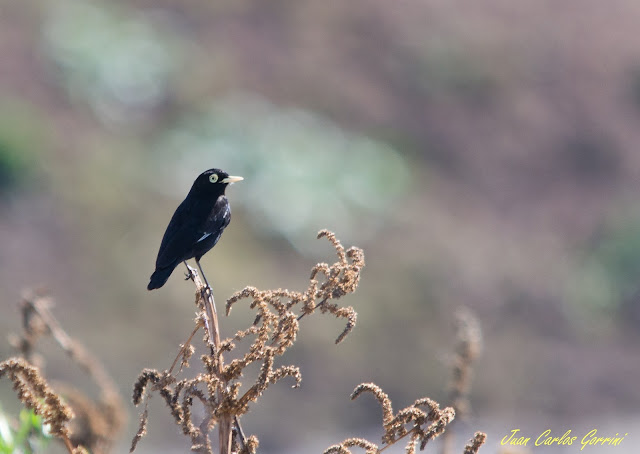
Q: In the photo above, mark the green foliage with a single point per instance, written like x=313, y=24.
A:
x=609, y=272
x=26, y=435
x=619, y=256
x=118, y=63
x=12, y=164
x=19, y=142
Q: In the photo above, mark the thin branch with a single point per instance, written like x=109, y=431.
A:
x=204, y=299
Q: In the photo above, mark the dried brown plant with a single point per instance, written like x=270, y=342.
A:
x=35, y=393
x=421, y=422
x=97, y=423
x=273, y=331
x=474, y=444
x=422, y=425
x=467, y=350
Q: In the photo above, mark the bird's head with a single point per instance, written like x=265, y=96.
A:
x=214, y=181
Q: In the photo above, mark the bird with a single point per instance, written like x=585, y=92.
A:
x=196, y=225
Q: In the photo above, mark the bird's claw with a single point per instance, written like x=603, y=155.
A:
x=190, y=274
x=206, y=289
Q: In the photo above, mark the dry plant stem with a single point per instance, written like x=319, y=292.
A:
x=205, y=301
x=68, y=444
x=97, y=422
x=427, y=424
x=40, y=306
x=204, y=298
x=410, y=432
x=320, y=304
x=243, y=438
x=474, y=444
x=35, y=393
x=468, y=349
x=272, y=332
x=185, y=346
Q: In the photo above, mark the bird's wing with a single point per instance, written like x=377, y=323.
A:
x=179, y=236
x=218, y=219
x=186, y=229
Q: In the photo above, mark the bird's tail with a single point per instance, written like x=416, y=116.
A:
x=159, y=277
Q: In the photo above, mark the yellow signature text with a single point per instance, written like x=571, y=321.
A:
x=547, y=438
x=591, y=439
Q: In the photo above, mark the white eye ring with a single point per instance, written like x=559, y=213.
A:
x=213, y=178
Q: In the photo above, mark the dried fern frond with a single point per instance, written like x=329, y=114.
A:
x=343, y=448
x=326, y=283
x=35, y=393
x=381, y=396
x=467, y=351
x=142, y=429
x=474, y=444
x=419, y=425
x=98, y=421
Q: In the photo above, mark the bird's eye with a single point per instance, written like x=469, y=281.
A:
x=213, y=178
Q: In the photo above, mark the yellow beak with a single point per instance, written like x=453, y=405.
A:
x=230, y=179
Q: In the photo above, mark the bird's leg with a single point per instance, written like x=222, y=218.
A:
x=189, y=272
x=208, y=287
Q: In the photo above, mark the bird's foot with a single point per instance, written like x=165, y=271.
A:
x=190, y=274
x=205, y=289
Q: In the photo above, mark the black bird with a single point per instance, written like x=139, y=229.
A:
x=196, y=225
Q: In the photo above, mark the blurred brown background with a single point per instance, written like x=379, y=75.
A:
x=482, y=153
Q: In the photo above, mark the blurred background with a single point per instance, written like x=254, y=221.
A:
x=482, y=154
